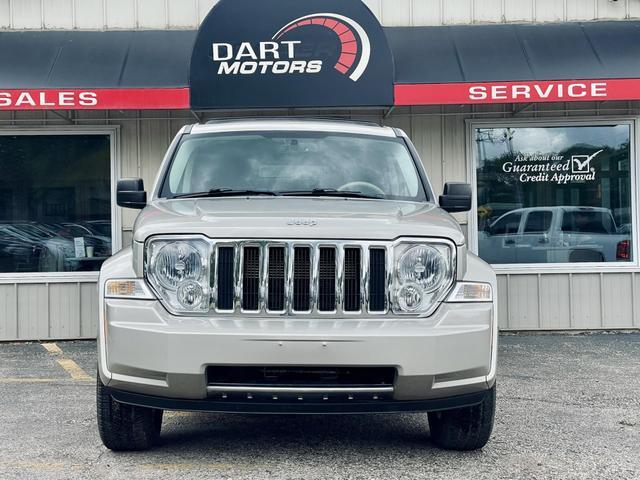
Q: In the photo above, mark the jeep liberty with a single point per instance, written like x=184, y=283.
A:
x=295, y=266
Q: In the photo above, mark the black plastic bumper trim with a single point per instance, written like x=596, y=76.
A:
x=221, y=406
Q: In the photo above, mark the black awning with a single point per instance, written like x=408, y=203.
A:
x=506, y=53
x=84, y=60
x=433, y=65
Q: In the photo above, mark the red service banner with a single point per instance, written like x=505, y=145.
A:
x=95, y=99
x=517, y=92
x=405, y=95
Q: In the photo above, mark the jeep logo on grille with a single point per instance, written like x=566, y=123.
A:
x=302, y=222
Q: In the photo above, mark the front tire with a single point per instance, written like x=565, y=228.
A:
x=467, y=428
x=126, y=427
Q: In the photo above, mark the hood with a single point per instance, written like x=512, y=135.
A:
x=296, y=218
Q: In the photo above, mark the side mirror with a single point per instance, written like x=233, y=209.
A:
x=131, y=194
x=456, y=197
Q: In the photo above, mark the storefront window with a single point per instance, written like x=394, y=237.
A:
x=55, y=203
x=554, y=194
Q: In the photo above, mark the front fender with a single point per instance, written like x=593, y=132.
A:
x=480, y=271
x=118, y=266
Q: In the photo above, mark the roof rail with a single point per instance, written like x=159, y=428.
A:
x=294, y=118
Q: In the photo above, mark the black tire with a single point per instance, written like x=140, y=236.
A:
x=467, y=428
x=126, y=427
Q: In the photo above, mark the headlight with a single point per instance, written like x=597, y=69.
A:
x=424, y=272
x=423, y=265
x=177, y=262
x=179, y=272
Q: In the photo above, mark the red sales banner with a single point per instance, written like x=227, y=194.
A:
x=517, y=92
x=95, y=99
x=405, y=95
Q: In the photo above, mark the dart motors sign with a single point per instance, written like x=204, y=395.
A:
x=291, y=53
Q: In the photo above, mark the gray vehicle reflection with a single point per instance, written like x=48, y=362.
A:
x=17, y=252
x=87, y=230
x=38, y=247
x=564, y=234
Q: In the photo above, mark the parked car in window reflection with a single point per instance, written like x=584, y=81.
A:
x=17, y=252
x=41, y=247
x=564, y=234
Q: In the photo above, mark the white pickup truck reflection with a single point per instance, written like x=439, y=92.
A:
x=564, y=234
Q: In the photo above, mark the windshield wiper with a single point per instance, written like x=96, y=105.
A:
x=328, y=192
x=225, y=192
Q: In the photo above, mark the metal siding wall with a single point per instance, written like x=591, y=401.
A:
x=119, y=14
x=64, y=310
x=528, y=301
x=586, y=301
x=182, y=13
x=33, y=311
x=555, y=310
x=520, y=10
x=57, y=13
x=426, y=136
x=453, y=11
x=8, y=312
x=89, y=14
x=150, y=14
x=549, y=10
x=617, y=300
x=88, y=310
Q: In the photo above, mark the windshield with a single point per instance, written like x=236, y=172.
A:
x=293, y=163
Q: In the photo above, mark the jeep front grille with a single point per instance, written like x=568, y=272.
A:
x=301, y=277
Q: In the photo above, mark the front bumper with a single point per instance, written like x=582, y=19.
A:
x=294, y=406
x=144, y=350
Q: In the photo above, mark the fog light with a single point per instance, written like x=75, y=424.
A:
x=409, y=297
x=190, y=294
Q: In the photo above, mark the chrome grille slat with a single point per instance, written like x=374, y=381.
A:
x=264, y=278
x=288, y=283
x=214, y=277
x=389, y=278
x=315, y=280
x=238, y=276
x=364, y=278
x=339, y=279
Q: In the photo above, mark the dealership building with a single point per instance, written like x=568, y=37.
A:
x=532, y=102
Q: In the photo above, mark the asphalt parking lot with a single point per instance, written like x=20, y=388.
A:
x=568, y=408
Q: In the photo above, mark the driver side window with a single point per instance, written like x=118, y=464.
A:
x=507, y=225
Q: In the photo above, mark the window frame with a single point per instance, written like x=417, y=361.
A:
x=113, y=132
x=540, y=268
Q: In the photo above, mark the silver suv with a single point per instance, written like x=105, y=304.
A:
x=295, y=266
